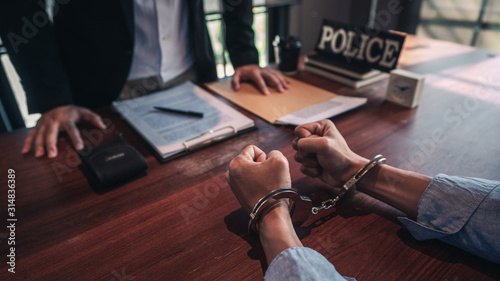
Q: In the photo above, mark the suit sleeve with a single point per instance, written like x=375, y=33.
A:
x=29, y=38
x=238, y=17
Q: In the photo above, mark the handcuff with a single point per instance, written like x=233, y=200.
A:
x=300, y=207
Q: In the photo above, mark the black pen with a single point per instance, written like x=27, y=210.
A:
x=190, y=113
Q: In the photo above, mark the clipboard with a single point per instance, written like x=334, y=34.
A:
x=197, y=147
x=168, y=135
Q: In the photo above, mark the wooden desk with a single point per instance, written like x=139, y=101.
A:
x=181, y=221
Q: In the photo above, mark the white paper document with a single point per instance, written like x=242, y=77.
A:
x=172, y=133
x=323, y=110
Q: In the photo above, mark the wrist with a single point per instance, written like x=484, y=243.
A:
x=355, y=165
x=276, y=216
x=370, y=175
x=276, y=231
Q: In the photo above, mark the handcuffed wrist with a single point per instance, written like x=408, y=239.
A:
x=354, y=168
x=375, y=161
x=273, y=215
x=298, y=207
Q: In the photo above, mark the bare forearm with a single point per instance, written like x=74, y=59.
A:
x=396, y=187
x=276, y=233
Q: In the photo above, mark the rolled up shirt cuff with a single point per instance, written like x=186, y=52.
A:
x=302, y=263
x=460, y=211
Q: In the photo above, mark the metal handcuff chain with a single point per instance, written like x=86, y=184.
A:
x=300, y=205
x=325, y=205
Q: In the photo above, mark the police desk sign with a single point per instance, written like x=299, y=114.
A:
x=348, y=43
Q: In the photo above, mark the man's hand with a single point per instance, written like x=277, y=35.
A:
x=253, y=174
x=63, y=118
x=324, y=153
x=261, y=77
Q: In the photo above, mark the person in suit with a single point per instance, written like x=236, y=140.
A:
x=92, y=50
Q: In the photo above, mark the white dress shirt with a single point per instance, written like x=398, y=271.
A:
x=161, y=45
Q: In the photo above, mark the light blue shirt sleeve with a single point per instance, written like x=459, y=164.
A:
x=464, y=212
x=302, y=263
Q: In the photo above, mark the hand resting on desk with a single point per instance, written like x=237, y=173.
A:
x=261, y=77
x=43, y=137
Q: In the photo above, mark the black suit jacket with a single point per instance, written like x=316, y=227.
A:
x=84, y=57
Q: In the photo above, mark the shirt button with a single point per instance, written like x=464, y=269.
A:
x=164, y=37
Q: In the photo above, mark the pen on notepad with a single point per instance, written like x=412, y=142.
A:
x=190, y=113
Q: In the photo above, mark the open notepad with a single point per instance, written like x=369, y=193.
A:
x=301, y=103
x=172, y=135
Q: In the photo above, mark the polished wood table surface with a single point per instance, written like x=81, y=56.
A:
x=181, y=221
